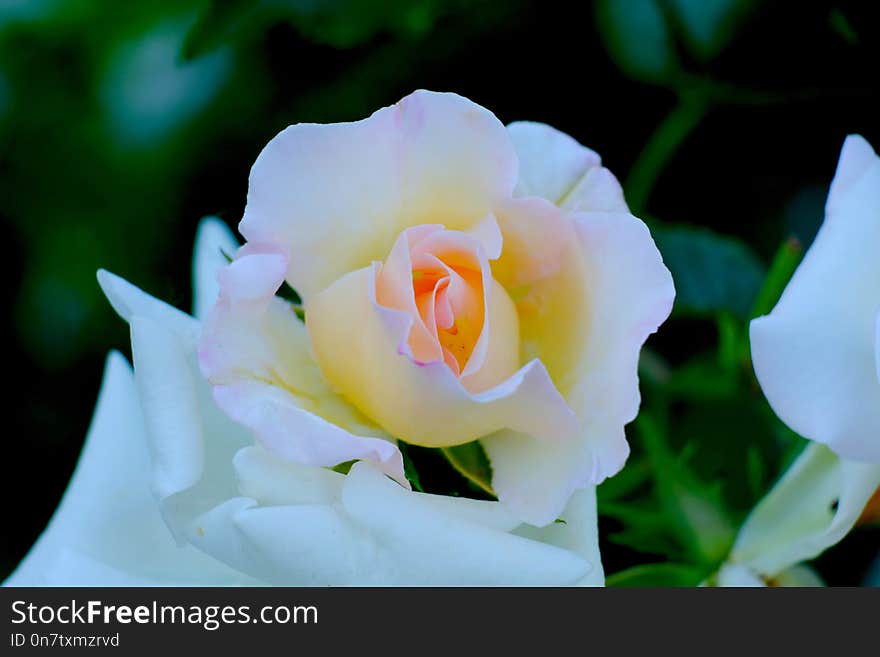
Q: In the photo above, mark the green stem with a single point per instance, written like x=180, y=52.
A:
x=667, y=137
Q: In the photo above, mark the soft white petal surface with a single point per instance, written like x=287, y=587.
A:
x=815, y=354
x=630, y=294
x=556, y=167
x=813, y=506
x=107, y=530
x=214, y=242
x=374, y=533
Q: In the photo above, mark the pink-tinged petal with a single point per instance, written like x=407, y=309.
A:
x=630, y=294
x=282, y=426
x=394, y=288
x=214, y=242
x=588, y=295
x=336, y=196
x=557, y=168
x=550, y=162
x=256, y=353
x=422, y=404
x=815, y=353
x=488, y=234
x=598, y=191
x=443, y=281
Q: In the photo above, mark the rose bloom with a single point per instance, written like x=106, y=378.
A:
x=817, y=358
x=460, y=281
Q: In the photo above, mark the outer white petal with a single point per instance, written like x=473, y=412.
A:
x=191, y=441
x=578, y=531
x=455, y=551
x=336, y=196
x=877, y=345
x=811, y=508
x=128, y=300
x=272, y=481
x=107, y=529
x=214, y=241
x=373, y=532
x=588, y=326
x=630, y=293
x=799, y=575
x=556, y=167
x=815, y=354
x=739, y=575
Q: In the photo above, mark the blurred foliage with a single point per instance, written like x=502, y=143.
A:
x=121, y=124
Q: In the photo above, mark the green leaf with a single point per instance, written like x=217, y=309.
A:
x=637, y=37
x=344, y=467
x=712, y=273
x=219, y=22
x=471, y=462
x=786, y=260
x=657, y=574
x=645, y=528
x=696, y=508
x=702, y=378
x=708, y=26
x=636, y=474
x=409, y=467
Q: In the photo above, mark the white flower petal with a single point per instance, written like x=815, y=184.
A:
x=273, y=481
x=630, y=293
x=170, y=404
x=214, y=241
x=815, y=353
x=811, y=508
x=128, y=301
x=577, y=531
x=434, y=548
x=800, y=576
x=107, y=529
x=378, y=533
x=550, y=162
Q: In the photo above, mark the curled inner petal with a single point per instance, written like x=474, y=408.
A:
x=442, y=280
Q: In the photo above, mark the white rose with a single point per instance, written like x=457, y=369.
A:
x=169, y=491
x=816, y=356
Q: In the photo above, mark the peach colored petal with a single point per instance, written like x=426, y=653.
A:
x=424, y=404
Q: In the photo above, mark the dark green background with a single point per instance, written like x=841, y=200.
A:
x=122, y=124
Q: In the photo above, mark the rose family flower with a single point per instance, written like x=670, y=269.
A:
x=816, y=357
x=170, y=491
x=461, y=281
